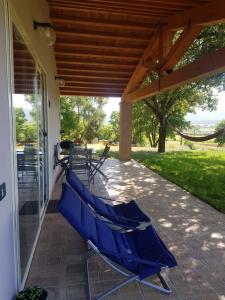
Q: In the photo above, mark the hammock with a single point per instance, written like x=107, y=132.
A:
x=199, y=138
x=194, y=138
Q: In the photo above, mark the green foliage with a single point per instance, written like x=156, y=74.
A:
x=174, y=104
x=144, y=125
x=81, y=117
x=106, y=132
x=30, y=131
x=190, y=144
x=20, y=124
x=201, y=173
x=110, y=131
x=115, y=123
x=220, y=139
x=32, y=293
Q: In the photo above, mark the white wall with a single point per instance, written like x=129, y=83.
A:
x=7, y=258
x=24, y=12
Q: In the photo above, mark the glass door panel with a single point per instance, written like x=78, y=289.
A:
x=42, y=126
x=27, y=100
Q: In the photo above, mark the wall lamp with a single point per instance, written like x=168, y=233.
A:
x=60, y=81
x=46, y=31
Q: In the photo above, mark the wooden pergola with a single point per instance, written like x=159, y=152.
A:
x=108, y=47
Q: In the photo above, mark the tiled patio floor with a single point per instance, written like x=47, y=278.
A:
x=193, y=231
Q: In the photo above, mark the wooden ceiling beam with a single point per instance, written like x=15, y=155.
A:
x=141, y=69
x=101, y=17
x=94, y=80
x=139, y=4
x=96, y=52
x=95, y=34
x=96, y=89
x=208, y=65
x=101, y=42
x=94, y=83
x=97, y=76
x=88, y=8
x=207, y=14
x=71, y=44
x=157, y=3
x=96, y=73
x=150, y=8
x=97, y=59
x=110, y=9
x=89, y=93
x=102, y=30
x=95, y=68
x=180, y=47
x=187, y=19
x=60, y=19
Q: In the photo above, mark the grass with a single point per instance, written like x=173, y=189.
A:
x=201, y=172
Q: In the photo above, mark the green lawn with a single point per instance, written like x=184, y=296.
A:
x=201, y=173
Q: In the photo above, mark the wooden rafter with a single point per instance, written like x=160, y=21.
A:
x=178, y=50
x=205, y=66
x=192, y=22
x=102, y=41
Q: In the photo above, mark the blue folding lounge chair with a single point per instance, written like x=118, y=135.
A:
x=126, y=215
x=136, y=254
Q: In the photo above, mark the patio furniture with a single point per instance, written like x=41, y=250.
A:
x=97, y=162
x=62, y=162
x=27, y=163
x=79, y=162
x=137, y=254
x=127, y=216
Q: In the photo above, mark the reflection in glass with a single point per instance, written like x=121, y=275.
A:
x=25, y=102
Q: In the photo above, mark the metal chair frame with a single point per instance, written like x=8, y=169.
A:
x=79, y=161
x=93, y=250
x=96, y=164
x=62, y=162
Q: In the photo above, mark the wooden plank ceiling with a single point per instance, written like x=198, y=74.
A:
x=100, y=42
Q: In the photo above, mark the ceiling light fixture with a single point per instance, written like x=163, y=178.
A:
x=60, y=81
x=46, y=30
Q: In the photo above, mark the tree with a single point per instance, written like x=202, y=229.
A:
x=146, y=123
x=220, y=139
x=81, y=117
x=20, y=124
x=199, y=94
x=106, y=132
x=114, y=121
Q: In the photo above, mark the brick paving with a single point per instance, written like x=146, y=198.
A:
x=193, y=231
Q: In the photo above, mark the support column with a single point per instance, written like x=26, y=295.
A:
x=125, y=131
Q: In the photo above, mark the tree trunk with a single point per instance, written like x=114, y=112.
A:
x=162, y=135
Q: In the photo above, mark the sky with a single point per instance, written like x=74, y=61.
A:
x=113, y=105
x=219, y=114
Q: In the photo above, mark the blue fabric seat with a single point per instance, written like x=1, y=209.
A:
x=141, y=253
x=127, y=214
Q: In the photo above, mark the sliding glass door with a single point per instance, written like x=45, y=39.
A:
x=30, y=119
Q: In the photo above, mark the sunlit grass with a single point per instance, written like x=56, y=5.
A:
x=201, y=173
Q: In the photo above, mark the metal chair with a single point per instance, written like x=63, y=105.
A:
x=137, y=254
x=79, y=162
x=96, y=164
x=62, y=162
x=124, y=215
